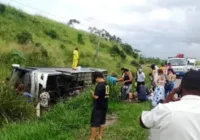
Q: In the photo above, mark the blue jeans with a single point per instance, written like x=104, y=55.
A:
x=169, y=88
x=125, y=89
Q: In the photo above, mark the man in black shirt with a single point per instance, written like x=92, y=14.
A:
x=100, y=106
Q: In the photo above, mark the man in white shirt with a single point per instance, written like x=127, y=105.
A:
x=140, y=78
x=180, y=119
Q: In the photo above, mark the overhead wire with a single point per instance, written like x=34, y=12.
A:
x=41, y=11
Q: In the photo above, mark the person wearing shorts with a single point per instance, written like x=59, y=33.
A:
x=127, y=84
x=100, y=106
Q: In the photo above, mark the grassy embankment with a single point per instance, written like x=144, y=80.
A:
x=52, y=44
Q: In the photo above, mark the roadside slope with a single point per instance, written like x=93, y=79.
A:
x=22, y=36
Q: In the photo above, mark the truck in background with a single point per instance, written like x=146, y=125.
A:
x=191, y=63
x=181, y=65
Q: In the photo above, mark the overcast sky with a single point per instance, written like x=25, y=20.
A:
x=159, y=28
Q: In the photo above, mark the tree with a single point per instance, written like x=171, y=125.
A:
x=119, y=40
x=71, y=22
x=114, y=38
x=2, y=8
x=99, y=33
x=136, y=50
x=92, y=30
x=135, y=55
x=127, y=48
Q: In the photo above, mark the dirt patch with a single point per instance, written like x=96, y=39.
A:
x=111, y=119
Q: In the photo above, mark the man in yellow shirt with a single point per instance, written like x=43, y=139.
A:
x=75, y=58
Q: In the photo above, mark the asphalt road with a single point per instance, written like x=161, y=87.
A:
x=154, y=133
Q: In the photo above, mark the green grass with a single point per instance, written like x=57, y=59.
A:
x=71, y=121
x=14, y=22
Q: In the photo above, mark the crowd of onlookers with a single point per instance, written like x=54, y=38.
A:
x=176, y=118
x=172, y=118
x=162, y=82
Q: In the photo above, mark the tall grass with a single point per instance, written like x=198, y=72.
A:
x=13, y=107
x=71, y=120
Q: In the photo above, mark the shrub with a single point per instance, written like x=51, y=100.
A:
x=44, y=53
x=62, y=46
x=13, y=107
x=114, y=92
x=103, y=45
x=17, y=57
x=80, y=38
x=2, y=8
x=38, y=57
x=135, y=63
x=24, y=37
x=142, y=61
x=127, y=48
x=39, y=45
x=135, y=55
x=122, y=55
x=114, y=51
x=93, y=39
x=52, y=34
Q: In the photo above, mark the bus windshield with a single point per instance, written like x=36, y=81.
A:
x=178, y=62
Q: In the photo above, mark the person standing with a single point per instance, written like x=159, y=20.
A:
x=177, y=119
x=159, y=91
x=169, y=66
x=100, y=105
x=154, y=75
x=140, y=78
x=122, y=70
x=127, y=84
x=163, y=69
x=171, y=78
x=75, y=58
x=112, y=79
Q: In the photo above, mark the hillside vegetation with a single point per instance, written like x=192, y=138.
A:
x=24, y=37
x=37, y=41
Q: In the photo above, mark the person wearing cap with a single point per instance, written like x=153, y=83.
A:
x=177, y=119
x=75, y=58
x=100, y=106
x=140, y=78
